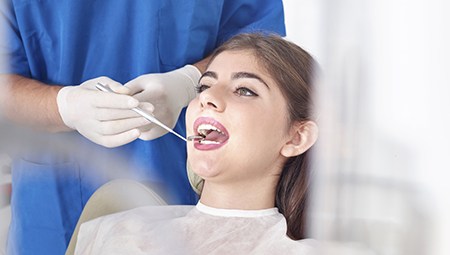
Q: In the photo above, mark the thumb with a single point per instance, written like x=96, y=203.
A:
x=147, y=107
x=136, y=86
x=118, y=88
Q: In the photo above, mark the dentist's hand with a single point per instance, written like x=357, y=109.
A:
x=102, y=117
x=168, y=93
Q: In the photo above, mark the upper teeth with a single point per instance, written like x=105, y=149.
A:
x=204, y=128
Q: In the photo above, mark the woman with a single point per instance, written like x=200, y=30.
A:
x=254, y=112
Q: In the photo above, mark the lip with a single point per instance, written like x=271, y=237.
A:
x=215, y=123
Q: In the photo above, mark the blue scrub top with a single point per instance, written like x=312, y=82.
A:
x=66, y=42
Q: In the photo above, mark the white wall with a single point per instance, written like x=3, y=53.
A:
x=304, y=25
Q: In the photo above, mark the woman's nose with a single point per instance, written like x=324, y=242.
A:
x=212, y=98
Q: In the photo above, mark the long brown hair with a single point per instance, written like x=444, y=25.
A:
x=292, y=68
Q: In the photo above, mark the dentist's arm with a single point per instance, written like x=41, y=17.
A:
x=104, y=118
x=30, y=102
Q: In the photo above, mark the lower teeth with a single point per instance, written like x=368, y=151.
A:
x=208, y=142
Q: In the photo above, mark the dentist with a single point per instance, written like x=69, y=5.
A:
x=58, y=50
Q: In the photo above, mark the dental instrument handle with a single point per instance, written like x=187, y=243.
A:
x=195, y=137
x=141, y=112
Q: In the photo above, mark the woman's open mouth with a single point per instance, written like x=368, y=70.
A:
x=214, y=134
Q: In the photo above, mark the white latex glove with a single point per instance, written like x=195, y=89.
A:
x=168, y=93
x=104, y=118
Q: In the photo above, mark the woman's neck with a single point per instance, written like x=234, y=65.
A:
x=242, y=196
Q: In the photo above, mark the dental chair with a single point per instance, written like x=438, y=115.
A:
x=115, y=196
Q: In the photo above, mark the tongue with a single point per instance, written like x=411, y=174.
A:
x=216, y=136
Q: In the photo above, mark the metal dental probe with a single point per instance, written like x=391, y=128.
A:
x=149, y=117
x=195, y=137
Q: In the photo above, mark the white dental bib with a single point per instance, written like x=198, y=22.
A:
x=190, y=230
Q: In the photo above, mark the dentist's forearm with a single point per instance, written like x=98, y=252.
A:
x=29, y=102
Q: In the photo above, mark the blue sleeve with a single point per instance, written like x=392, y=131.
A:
x=251, y=16
x=12, y=52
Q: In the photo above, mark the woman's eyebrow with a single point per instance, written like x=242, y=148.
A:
x=241, y=75
x=209, y=74
x=235, y=76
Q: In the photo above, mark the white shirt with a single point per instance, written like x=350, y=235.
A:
x=190, y=230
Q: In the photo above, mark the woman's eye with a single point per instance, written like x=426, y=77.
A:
x=201, y=87
x=245, y=92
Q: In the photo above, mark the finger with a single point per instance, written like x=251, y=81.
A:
x=120, y=126
x=106, y=81
x=147, y=128
x=108, y=114
x=147, y=107
x=118, y=88
x=108, y=141
x=118, y=139
x=134, y=86
x=110, y=100
x=112, y=84
x=153, y=133
x=144, y=97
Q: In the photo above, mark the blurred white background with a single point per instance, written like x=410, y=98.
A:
x=304, y=24
x=383, y=157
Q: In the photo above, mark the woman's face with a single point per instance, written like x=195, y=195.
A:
x=243, y=113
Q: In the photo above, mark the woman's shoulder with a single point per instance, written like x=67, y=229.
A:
x=307, y=246
x=304, y=247
x=288, y=246
x=138, y=216
x=95, y=233
x=150, y=213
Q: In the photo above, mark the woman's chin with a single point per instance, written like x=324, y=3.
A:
x=205, y=170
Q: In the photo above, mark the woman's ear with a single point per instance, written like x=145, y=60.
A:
x=303, y=135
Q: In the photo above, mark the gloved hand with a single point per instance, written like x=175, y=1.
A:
x=104, y=118
x=168, y=93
